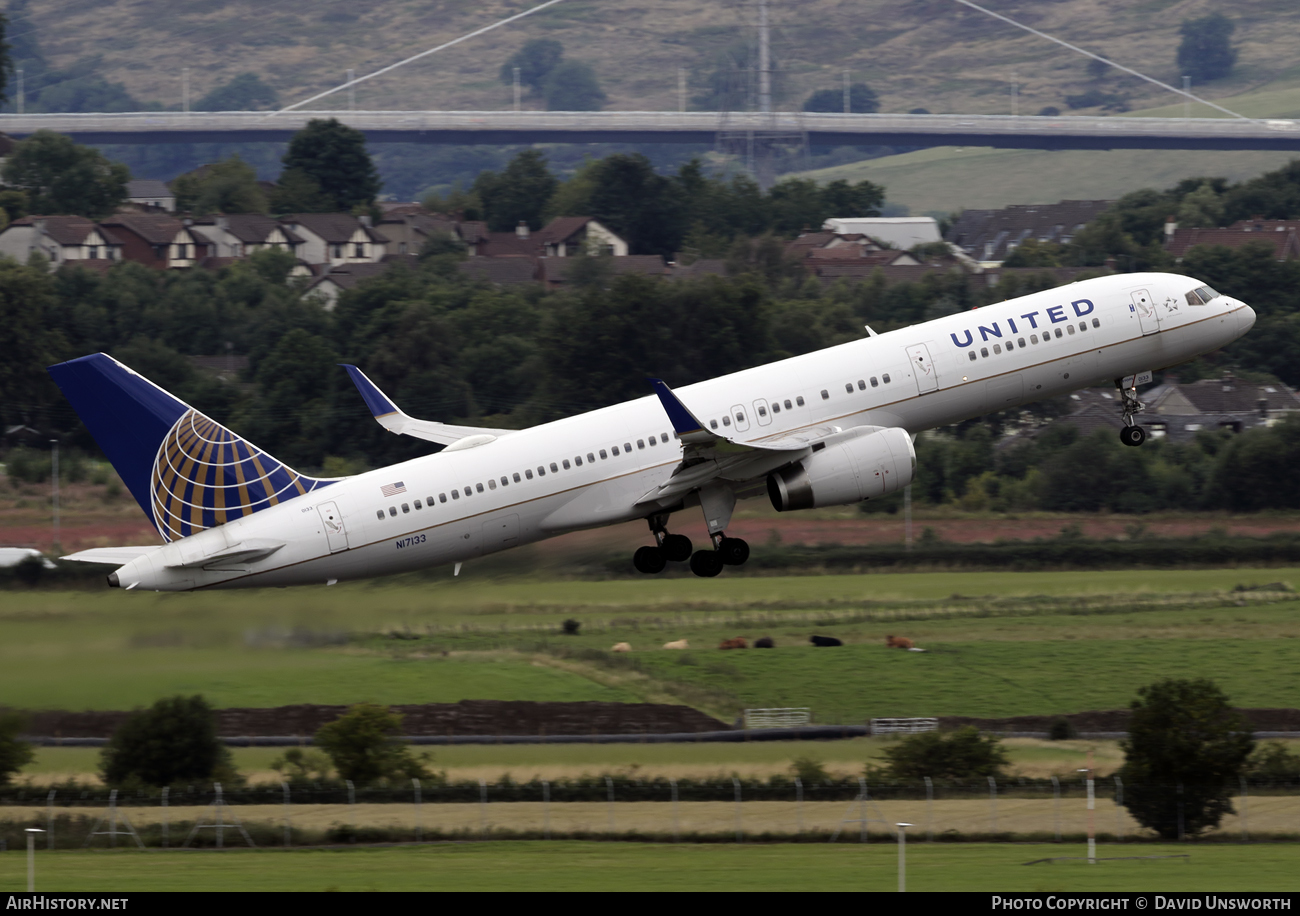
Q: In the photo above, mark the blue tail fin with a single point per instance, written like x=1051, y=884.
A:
x=186, y=471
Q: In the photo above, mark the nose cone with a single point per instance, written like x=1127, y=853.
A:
x=1245, y=319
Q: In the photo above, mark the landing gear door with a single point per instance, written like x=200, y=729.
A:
x=1148, y=317
x=332, y=521
x=927, y=379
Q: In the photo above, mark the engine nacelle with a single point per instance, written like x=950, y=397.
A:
x=850, y=467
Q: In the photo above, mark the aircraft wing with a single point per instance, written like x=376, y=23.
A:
x=710, y=456
x=394, y=420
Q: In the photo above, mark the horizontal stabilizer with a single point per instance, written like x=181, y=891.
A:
x=391, y=418
x=112, y=556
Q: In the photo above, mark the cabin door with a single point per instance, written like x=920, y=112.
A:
x=1148, y=317
x=927, y=379
x=332, y=521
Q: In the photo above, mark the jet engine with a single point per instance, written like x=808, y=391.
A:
x=852, y=466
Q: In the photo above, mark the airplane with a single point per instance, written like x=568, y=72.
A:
x=833, y=427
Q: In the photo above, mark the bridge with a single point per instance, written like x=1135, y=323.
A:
x=511, y=127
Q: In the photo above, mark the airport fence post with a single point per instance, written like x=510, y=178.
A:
x=735, y=783
x=288, y=813
x=31, y=858
x=862, y=806
x=609, y=804
x=166, y=812
x=352, y=804
x=798, y=804
x=49, y=820
x=1180, y=812
x=1245, y=812
x=676, y=833
x=546, y=809
x=1092, y=812
x=902, y=857
x=112, y=818
x=482, y=807
x=1056, y=807
x=419, y=824
x=993, y=805
x=1119, y=808
x=218, y=803
x=929, y=809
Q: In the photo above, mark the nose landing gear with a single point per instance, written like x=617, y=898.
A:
x=1132, y=434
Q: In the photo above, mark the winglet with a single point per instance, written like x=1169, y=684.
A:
x=684, y=422
x=375, y=399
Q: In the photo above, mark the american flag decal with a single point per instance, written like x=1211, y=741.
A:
x=392, y=489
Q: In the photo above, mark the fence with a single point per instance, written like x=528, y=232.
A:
x=724, y=810
x=785, y=717
x=903, y=726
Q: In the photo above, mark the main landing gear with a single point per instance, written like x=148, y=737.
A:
x=677, y=547
x=1131, y=434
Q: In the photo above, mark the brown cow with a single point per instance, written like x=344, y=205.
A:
x=899, y=642
x=738, y=643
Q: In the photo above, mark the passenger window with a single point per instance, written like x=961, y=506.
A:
x=849, y=387
x=591, y=459
x=776, y=408
x=640, y=443
x=1096, y=322
x=984, y=352
x=455, y=494
x=799, y=400
x=1058, y=332
x=885, y=378
x=862, y=385
x=505, y=481
x=713, y=424
x=1033, y=338
x=663, y=437
x=1021, y=341
x=971, y=354
x=726, y=421
x=740, y=416
x=627, y=447
x=603, y=456
x=380, y=514
x=392, y=510
x=577, y=459
x=826, y=395
x=554, y=468
x=565, y=463
x=442, y=497
x=1069, y=328
x=997, y=348
x=528, y=474
x=541, y=471
x=492, y=484
x=417, y=504
x=787, y=404
x=762, y=411
x=515, y=475
x=876, y=384
x=406, y=509
x=1010, y=346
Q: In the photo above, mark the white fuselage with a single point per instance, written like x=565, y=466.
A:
x=520, y=490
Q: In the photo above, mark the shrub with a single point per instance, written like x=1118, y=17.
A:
x=963, y=754
x=14, y=754
x=1061, y=729
x=1274, y=763
x=1186, y=750
x=809, y=770
x=362, y=746
x=173, y=741
x=297, y=765
x=571, y=626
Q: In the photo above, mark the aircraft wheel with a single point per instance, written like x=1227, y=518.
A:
x=1133, y=435
x=649, y=560
x=706, y=563
x=733, y=551
x=677, y=547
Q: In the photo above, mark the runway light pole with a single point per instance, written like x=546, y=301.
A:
x=902, y=856
x=31, y=857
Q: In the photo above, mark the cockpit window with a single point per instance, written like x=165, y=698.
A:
x=1201, y=296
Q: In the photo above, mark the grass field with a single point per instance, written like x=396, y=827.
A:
x=536, y=866
x=999, y=643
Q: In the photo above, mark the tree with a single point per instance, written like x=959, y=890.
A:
x=1206, y=52
x=862, y=100
x=518, y=194
x=14, y=754
x=639, y=205
x=228, y=186
x=334, y=156
x=173, y=741
x=535, y=61
x=298, y=192
x=64, y=178
x=362, y=748
x=6, y=60
x=963, y=754
x=1185, y=751
x=245, y=92
x=572, y=86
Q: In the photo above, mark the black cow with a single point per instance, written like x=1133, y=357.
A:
x=764, y=642
x=824, y=641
